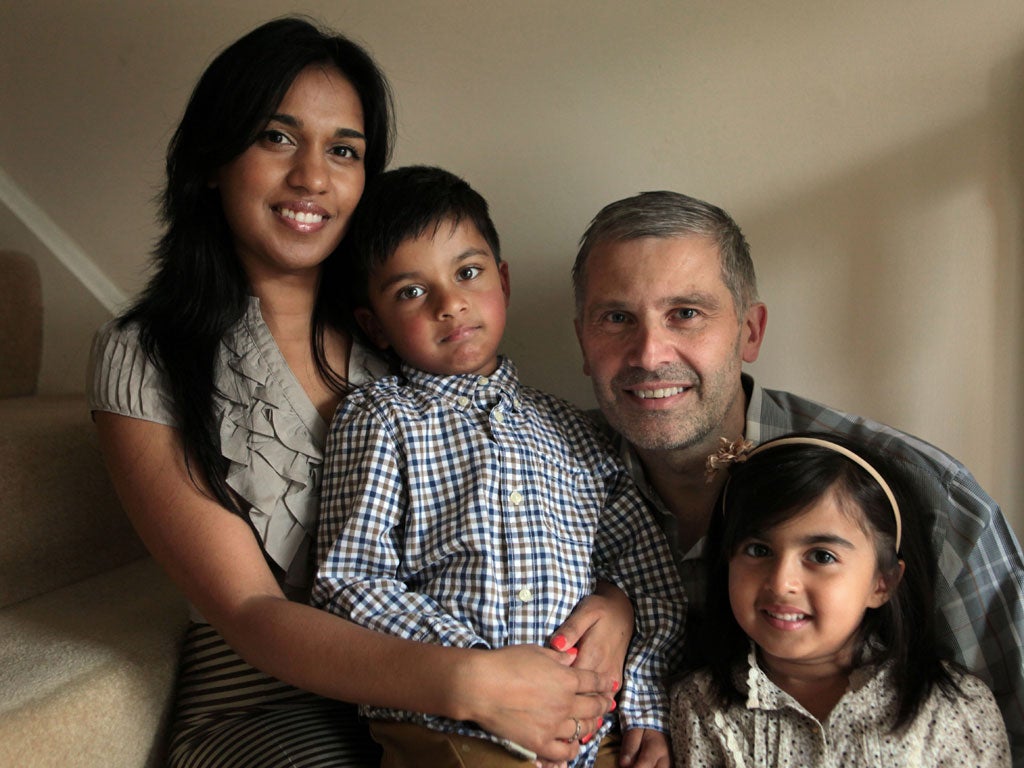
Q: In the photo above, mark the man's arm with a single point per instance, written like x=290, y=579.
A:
x=630, y=551
x=980, y=599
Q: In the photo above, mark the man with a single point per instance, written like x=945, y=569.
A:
x=666, y=314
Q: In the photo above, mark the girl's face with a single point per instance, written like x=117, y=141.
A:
x=288, y=197
x=800, y=589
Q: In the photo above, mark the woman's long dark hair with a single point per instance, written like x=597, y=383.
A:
x=199, y=289
x=776, y=485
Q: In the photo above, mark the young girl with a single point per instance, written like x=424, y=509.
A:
x=817, y=643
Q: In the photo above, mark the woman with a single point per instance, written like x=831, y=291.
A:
x=212, y=395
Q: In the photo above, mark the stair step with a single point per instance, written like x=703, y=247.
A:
x=87, y=671
x=60, y=518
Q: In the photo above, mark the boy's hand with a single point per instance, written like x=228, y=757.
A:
x=600, y=629
x=644, y=748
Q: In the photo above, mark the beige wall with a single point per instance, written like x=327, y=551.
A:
x=873, y=152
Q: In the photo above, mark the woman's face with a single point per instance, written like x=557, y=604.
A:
x=289, y=196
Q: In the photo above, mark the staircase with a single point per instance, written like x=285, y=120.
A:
x=89, y=625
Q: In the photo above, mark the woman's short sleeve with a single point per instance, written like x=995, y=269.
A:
x=122, y=378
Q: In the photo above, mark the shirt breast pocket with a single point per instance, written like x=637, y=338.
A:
x=567, y=497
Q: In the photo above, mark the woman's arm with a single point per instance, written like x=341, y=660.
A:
x=526, y=694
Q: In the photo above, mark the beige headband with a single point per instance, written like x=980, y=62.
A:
x=740, y=456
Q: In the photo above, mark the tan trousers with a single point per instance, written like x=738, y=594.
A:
x=407, y=745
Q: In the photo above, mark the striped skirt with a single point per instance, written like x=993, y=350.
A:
x=230, y=715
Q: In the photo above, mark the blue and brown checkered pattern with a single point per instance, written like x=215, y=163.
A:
x=472, y=511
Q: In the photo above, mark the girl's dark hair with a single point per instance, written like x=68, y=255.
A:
x=776, y=485
x=199, y=289
x=403, y=204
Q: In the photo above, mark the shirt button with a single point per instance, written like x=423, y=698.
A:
x=499, y=417
x=525, y=594
x=482, y=381
x=463, y=401
x=516, y=498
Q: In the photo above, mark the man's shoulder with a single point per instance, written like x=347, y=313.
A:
x=780, y=412
x=941, y=481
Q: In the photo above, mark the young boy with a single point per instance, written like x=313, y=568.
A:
x=458, y=506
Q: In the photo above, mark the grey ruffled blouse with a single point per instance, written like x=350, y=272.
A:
x=270, y=431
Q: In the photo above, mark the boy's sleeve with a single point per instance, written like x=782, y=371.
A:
x=630, y=551
x=359, y=541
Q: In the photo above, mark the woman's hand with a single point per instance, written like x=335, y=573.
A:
x=599, y=630
x=532, y=696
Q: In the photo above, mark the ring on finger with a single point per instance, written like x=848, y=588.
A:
x=579, y=729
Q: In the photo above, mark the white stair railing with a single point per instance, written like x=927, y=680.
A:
x=61, y=245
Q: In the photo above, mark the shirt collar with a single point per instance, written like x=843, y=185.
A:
x=364, y=365
x=504, y=381
x=763, y=694
x=755, y=400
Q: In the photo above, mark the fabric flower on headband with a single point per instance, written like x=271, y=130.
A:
x=729, y=452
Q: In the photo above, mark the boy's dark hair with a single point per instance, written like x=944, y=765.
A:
x=403, y=204
x=199, y=289
x=774, y=486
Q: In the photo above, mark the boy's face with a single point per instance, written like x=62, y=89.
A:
x=440, y=302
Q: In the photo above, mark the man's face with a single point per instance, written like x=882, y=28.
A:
x=662, y=341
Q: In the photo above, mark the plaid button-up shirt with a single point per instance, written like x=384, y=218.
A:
x=472, y=511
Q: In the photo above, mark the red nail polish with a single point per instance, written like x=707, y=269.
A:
x=573, y=651
x=586, y=738
x=615, y=685
x=559, y=643
x=612, y=707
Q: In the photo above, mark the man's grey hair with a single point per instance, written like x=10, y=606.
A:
x=667, y=215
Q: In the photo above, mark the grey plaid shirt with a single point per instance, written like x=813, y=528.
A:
x=472, y=511
x=980, y=586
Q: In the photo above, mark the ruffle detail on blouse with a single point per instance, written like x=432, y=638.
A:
x=753, y=675
x=762, y=694
x=273, y=438
x=732, y=741
x=270, y=432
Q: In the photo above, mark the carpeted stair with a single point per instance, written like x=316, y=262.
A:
x=89, y=625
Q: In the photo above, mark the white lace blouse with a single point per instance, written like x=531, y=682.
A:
x=772, y=728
